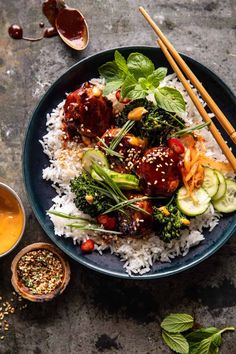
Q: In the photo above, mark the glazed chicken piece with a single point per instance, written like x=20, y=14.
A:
x=130, y=147
x=134, y=222
x=158, y=170
x=87, y=113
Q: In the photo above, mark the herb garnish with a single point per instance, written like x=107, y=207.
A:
x=201, y=341
x=137, y=78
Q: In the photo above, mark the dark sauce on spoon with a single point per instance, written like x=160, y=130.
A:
x=71, y=25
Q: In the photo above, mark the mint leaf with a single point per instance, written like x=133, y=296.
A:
x=145, y=84
x=176, y=342
x=217, y=340
x=137, y=92
x=177, y=322
x=200, y=334
x=206, y=340
x=140, y=65
x=195, y=338
x=157, y=76
x=170, y=99
x=204, y=346
x=110, y=71
x=128, y=85
x=112, y=86
x=121, y=62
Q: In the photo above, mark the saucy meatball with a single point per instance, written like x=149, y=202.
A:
x=87, y=113
x=158, y=170
x=130, y=147
x=135, y=222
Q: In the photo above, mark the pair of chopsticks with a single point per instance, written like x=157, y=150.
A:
x=177, y=62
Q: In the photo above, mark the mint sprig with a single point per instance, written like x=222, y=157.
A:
x=202, y=341
x=177, y=322
x=176, y=342
x=137, y=77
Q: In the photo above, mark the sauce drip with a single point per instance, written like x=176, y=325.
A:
x=11, y=220
x=71, y=25
x=15, y=31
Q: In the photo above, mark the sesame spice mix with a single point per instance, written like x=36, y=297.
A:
x=40, y=271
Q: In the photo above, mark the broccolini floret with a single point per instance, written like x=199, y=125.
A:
x=156, y=125
x=170, y=221
x=87, y=196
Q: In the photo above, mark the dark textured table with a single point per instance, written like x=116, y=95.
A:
x=97, y=313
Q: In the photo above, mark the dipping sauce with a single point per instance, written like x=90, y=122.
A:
x=12, y=219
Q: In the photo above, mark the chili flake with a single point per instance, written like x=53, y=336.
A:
x=40, y=271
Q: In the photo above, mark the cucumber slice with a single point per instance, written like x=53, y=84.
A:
x=227, y=204
x=187, y=205
x=210, y=182
x=94, y=156
x=123, y=180
x=222, y=186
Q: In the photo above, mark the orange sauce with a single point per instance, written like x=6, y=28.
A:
x=11, y=220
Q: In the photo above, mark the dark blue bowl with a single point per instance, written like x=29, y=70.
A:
x=40, y=192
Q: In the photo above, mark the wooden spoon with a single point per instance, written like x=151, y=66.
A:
x=72, y=28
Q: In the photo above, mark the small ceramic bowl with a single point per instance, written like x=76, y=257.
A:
x=12, y=193
x=25, y=292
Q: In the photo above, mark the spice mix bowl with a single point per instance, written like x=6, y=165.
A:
x=40, y=272
x=12, y=219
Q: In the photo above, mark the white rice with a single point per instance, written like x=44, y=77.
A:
x=138, y=255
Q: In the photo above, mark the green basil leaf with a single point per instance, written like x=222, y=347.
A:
x=205, y=346
x=137, y=92
x=121, y=62
x=170, y=99
x=110, y=71
x=216, y=340
x=139, y=65
x=157, y=76
x=144, y=83
x=200, y=334
x=177, y=322
x=128, y=85
x=112, y=86
x=193, y=347
x=176, y=342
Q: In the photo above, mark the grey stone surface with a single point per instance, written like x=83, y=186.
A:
x=98, y=313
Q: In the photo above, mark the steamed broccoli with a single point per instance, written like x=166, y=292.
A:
x=170, y=220
x=87, y=197
x=156, y=125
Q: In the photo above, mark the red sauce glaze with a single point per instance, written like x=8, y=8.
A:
x=15, y=31
x=130, y=147
x=71, y=25
x=87, y=114
x=134, y=222
x=108, y=222
x=158, y=170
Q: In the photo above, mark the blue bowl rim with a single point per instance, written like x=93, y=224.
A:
x=26, y=177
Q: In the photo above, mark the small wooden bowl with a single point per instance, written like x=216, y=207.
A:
x=22, y=290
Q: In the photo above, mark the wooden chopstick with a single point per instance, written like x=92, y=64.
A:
x=218, y=137
x=205, y=95
x=224, y=147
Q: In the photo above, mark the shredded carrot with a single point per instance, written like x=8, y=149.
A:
x=192, y=171
x=187, y=164
x=218, y=165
